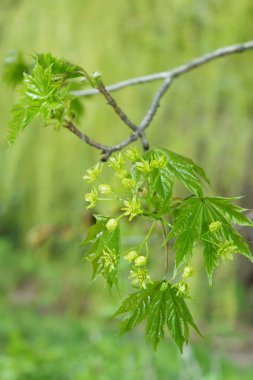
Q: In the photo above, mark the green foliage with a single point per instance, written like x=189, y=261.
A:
x=193, y=222
x=144, y=186
x=161, y=306
x=45, y=93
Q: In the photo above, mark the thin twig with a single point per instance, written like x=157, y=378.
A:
x=72, y=128
x=117, y=109
x=233, y=49
x=155, y=104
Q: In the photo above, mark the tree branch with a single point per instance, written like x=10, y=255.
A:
x=155, y=104
x=112, y=102
x=168, y=76
x=174, y=73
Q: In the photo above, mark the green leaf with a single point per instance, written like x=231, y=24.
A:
x=157, y=317
x=103, y=250
x=179, y=318
x=162, y=307
x=22, y=116
x=61, y=68
x=231, y=212
x=193, y=218
x=136, y=306
x=160, y=189
x=185, y=170
x=187, y=229
x=45, y=93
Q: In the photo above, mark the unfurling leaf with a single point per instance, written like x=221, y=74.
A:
x=45, y=94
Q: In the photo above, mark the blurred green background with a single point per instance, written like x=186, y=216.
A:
x=55, y=324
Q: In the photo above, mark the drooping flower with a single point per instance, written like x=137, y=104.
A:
x=132, y=208
x=227, y=249
x=140, y=261
x=129, y=183
x=183, y=289
x=117, y=162
x=105, y=189
x=131, y=256
x=133, y=154
x=92, y=197
x=93, y=173
x=140, y=277
x=188, y=272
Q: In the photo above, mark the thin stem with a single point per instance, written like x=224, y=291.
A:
x=166, y=251
x=112, y=102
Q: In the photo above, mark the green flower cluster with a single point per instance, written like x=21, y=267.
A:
x=134, y=173
x=139, y=273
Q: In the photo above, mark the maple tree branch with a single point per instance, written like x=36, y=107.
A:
x=112, y=102
x=167, y=76
x=176, y=72
x=155, y=104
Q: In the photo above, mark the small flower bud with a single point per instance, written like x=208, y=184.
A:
x=188, y=272
x=131, y=256
x=140, y=261
x=111, y=224
x=105, y=189
x=183, y=289
x=215, y=226
x=96, y=75
x=164, y=286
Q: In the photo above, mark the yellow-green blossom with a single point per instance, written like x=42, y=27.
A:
x=158, y=162
x=122, y=173
x=133, y=154
x=117, y=162
x=108, y=259
x=183, y=289
x=143, y=167
x=92, y=197
x=129, y=183
x=105, y=189
x=111, y=224
x=227, y=249
x=215, y=226
x=188, y=272
x=140, y=261
x=140, y=277
x=131, y=256
x=93, y=173
x=133, y=208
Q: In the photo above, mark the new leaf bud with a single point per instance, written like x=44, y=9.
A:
x=111, y=224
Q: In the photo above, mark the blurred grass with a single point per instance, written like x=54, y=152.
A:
x=48, y=305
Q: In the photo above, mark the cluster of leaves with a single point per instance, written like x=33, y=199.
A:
x=144, y=189
x=45, y=91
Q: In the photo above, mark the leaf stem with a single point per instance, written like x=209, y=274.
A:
x=166, y=250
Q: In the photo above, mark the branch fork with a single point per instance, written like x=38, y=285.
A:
x=167, y=77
